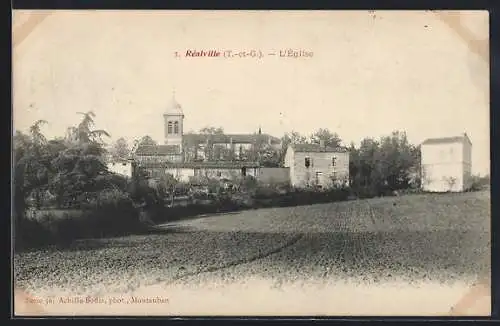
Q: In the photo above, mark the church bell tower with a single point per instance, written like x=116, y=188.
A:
x=174, y=123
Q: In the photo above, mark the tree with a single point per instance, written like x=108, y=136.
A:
x=397, y=159
x=147, y=141
x=21, y=144
x=34, y=164
x=37, y=138
x=212, y=131
x=67, y=169
x=120, y=149
x=378, y=167
x=190, y=144
x=330, y=139
x=85, y=131
x=286, y=140
x=76, y=174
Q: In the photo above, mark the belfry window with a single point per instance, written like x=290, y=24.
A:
x=176, y=127
x=169, y=127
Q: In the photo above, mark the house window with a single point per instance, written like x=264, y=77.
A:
x=124, y=164
x=176, y=127
x=219, y=173
x=170, y=127
x=307, y=162
x=318, y=177
x=334, y=159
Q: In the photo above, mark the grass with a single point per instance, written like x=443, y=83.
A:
x=433, y=237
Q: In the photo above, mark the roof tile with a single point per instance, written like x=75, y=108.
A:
x=317, y=148
x=160, y=150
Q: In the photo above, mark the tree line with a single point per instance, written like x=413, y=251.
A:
x=377, y=166
x=71, y=172
x=65, y=170
x=72, y=169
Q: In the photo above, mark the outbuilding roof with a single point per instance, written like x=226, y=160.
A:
x=447, y=140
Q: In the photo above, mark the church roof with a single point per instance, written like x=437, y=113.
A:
x=316, y=148
x=447, y=140
x=174, y=107
x=227, y=138
x=159, y=150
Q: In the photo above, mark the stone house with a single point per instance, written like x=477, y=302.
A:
x=315, y=165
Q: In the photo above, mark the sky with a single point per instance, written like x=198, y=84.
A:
x=370, y=74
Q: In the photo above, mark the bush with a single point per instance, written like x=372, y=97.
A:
x=479, y=183
x=248, y=183
x=30, y=233
x=111, y=213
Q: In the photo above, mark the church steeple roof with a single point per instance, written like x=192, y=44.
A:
x=174, y=107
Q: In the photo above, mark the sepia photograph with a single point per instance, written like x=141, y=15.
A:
x=251, y=163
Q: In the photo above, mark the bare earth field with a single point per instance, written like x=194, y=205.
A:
x=409, y=255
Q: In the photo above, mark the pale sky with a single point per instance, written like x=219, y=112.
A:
x=368, y=75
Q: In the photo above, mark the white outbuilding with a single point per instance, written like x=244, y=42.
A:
x=446, y=164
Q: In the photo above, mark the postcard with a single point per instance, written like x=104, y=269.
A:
x=257, y=163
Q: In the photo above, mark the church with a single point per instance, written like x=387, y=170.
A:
x=185, y=155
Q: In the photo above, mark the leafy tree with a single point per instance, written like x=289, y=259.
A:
x=262, y=152
x=77, y=170
x=85, y=131
x=68, y=170
x=286, y=140
x=397, y=158
x=31, y=164
x=120, y=149
x=190, y=145
x=37, y=138
x=147, y=141
x=329, y=138
x=378, y=167
x=212, y=131
x=21, y=144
